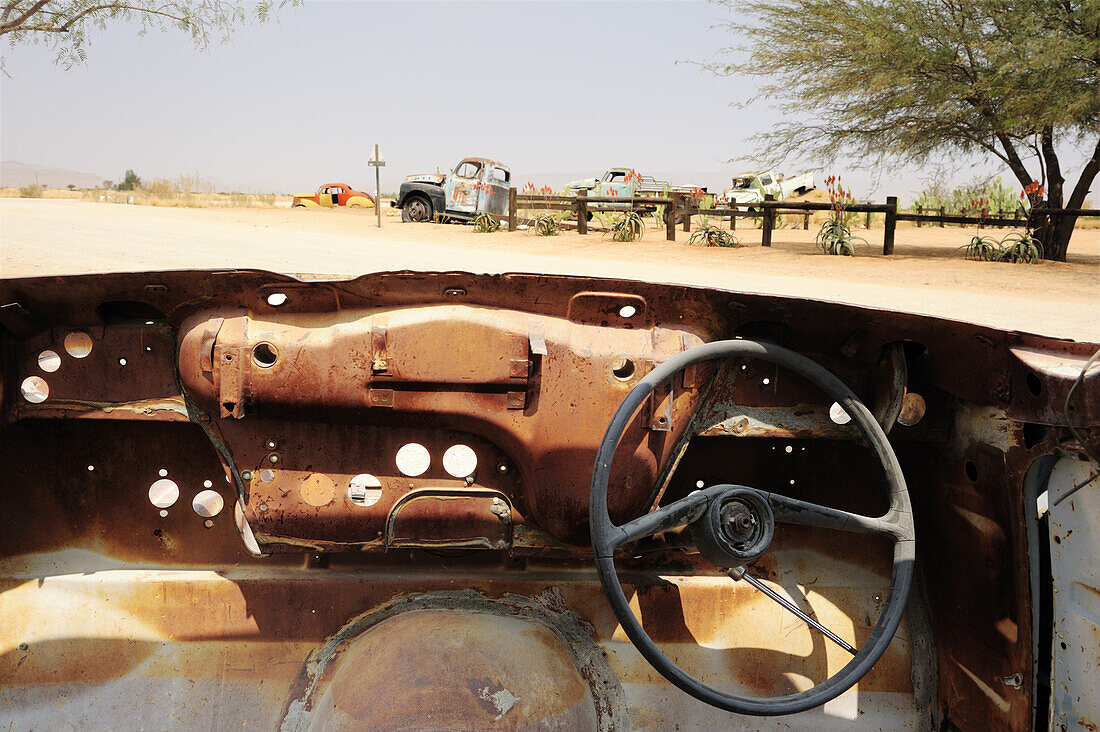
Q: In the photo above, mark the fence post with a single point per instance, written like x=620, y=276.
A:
x=920, y=211
x=511, y=209
x=867, y=224
x=806, y=221
x=670, y=217
x=891, y=224
x=689, y=206
x=943, y=212
x=733, y=217
x=582, y=212
x=768, y=223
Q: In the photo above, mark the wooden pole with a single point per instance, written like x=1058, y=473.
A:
x=733, y=217
x=769, y=221
x=943, y=211
x=891, y=225
x=582, y=212
x=689, y=206
x=806, y=221
x=867, y=225
x=670, y=218
x=511, y=209
x=920, y=210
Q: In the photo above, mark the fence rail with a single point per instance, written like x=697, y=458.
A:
x=680, y=208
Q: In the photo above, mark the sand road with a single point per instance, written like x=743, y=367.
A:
x=927, y=275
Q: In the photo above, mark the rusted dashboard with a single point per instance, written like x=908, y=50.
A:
x=414, y=425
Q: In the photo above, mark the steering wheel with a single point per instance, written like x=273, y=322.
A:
x=733, y=525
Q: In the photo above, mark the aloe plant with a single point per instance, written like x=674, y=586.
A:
x=834, y=237
x=628, y=227
x=1020, y=249
x=546, y=225
x=982, y=249
x=1017, y=248
x=485, y=222
x=712, y=236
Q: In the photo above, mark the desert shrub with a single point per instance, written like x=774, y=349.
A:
x=980, y=193
x=130, y=181
x=31, y=191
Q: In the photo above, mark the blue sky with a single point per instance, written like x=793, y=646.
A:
x=557, y=90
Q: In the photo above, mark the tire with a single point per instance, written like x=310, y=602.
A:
x=417, y=209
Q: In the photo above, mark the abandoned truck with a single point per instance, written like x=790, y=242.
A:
x=455, y=501
x=751, y=187
x=626, y=183
x=476, y=184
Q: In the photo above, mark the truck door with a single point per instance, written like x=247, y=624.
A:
x=615, y=185
x=493, y=193
x=462, y=187
x=768, y=185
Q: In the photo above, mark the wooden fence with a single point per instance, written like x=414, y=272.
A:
x=680, y=208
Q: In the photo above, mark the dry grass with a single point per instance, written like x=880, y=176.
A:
x=188, y=191
x=46, y=193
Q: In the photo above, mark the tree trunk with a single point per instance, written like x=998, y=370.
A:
x=1055, y=232
x=1061, y=230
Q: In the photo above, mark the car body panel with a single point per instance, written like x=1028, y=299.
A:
x=279, y=395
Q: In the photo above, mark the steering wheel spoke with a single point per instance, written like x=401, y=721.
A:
x=802, y=513
x=674, y=515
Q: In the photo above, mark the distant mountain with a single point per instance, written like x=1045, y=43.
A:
x=14, y=174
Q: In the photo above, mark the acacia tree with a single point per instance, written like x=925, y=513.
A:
x=63, y=25
x=914, y=80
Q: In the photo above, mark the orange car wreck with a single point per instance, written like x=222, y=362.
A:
x=331, y=195
x=463, y=501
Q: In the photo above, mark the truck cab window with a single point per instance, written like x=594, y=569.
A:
x=467, y=170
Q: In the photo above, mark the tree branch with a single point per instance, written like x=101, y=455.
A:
x=22, y=18
x=1054, y=168
x=1088, y=174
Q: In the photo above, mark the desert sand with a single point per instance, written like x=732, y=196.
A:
x=926, y=275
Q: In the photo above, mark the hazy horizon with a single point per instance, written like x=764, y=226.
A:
x=290, y=105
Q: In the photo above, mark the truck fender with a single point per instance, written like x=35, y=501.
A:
x=432, y=192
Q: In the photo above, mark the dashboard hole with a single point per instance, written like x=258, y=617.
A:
x=34, y=389
x=622, y=369
x=265, y=355
x=49, y=361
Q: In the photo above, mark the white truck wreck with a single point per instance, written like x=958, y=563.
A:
x=751, y=187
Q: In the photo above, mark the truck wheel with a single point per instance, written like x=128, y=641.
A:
x=417, y=209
